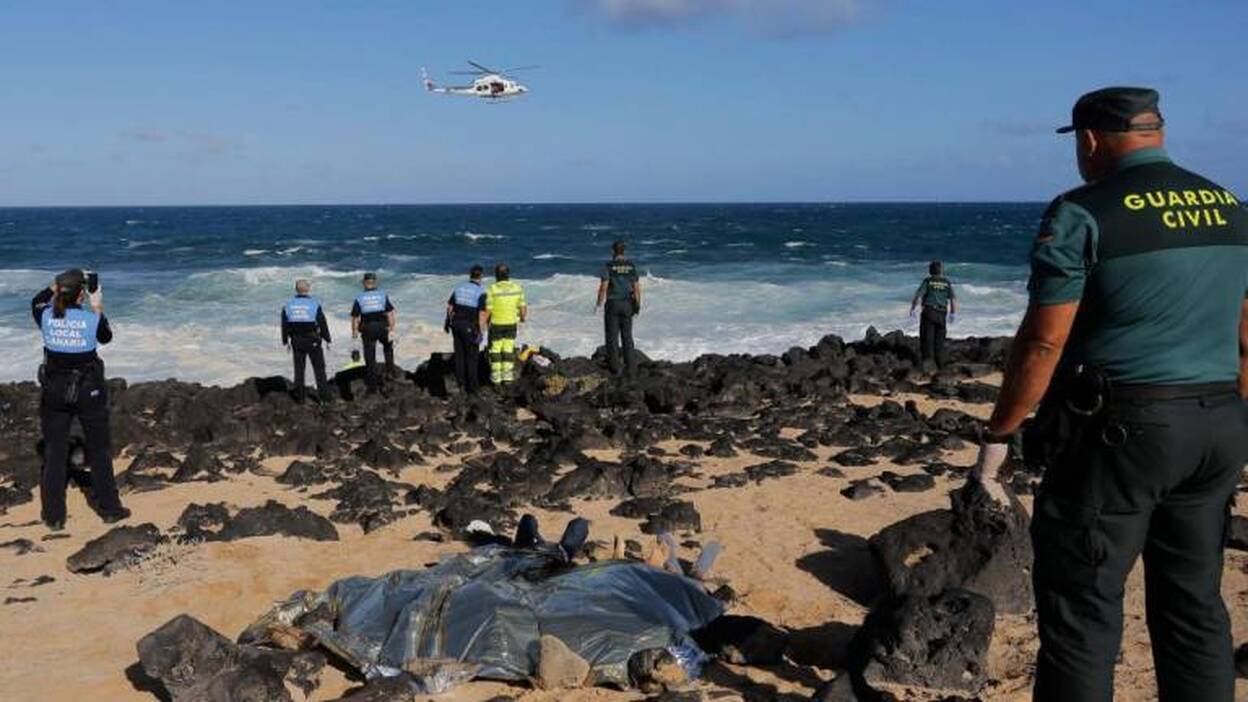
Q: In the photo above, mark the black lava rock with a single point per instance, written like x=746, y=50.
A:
x=116, y=550
x=933, y=641
x=975, y=546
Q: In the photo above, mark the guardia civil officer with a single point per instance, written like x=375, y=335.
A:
x=463, y=323
x=620, y=288
x=1138, y=317
x=939, y=307
x=373, y=318
x=303, y=329
x=505, y=310
x=73, y=386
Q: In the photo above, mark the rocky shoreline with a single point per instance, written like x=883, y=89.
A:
x=940, y=578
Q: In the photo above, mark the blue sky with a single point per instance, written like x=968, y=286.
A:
x=637, y=100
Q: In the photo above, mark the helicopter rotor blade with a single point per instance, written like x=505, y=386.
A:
x=521, y=68
x=479, y=67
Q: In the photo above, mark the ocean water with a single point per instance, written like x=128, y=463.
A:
x=194, y=293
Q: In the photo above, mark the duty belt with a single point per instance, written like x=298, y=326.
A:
x=1173, y=392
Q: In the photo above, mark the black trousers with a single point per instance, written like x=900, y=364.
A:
x=1164, y=492
x=373, y=333
x=467, y=357
x=932, y=335
x=57, y=412
x=618, y=324
x=308, y=348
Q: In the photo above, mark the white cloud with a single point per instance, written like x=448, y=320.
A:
x=772, y=17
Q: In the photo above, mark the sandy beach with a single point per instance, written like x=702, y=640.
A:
x=795, y=552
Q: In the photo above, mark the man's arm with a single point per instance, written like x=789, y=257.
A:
x=637, y=291
x=1033, y=359
x=285, y=328
x=953, y=300
x=355, y=319
x=391, y=319
x=918, y=295
x=323, y=324
x=602, y=293
x=1243, y=351
x=524, y=313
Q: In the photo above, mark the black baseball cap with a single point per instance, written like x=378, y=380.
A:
x=73, y=278
x=370, y=276
x=1111, y=110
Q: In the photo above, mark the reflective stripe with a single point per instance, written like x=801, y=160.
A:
x=372, y=301
x=73, y=333
x=504, y=300
x=302, y=310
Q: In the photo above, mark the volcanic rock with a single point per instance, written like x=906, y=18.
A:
x=678, y=516
x=933, y=641
x=919, y=482
x=196, y=664
x=1237, y=536
x=975, y=545
x=21, y=547
x=116, y=550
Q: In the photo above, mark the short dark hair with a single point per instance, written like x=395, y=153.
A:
x=502, y=272
x=476, y=272
x=935, y=268
x=618, y=248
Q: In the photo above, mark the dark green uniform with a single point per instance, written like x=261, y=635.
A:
x=1157, y=257
x=621, y=278
x=935, y=292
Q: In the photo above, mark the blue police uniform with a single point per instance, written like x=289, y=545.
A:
x=73, y=387
x=304, y=327
x=466, y=303
x=372, y=307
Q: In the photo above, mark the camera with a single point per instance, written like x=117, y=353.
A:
x=93, y=281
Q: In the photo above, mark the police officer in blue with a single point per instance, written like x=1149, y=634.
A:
x=1135, y=346
x=463, y=315
x=303, y=329
x=373, y=318
x=73, y=386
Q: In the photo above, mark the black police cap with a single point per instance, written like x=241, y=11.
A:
x=370, y=276
x=1111, y=110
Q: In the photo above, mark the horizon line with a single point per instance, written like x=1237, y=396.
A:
x=535, y=203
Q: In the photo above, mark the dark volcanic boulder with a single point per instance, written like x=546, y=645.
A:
x=974, y=545
x=200, y=464
x=677, y=516
x=1237, y=536
x=935, y=641
x=919, y=482
x=366, y=499
x=214, y=523
x=196, y=664
x=301, y=473
x=116, y=550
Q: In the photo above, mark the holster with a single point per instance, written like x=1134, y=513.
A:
x=1075, y=405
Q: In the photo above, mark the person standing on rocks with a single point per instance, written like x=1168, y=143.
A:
x=373, y=318
x=1136, y=339
x=940, y=306
x=73, y=386
x=463, y=323
x=303, y=329
x=505, y=310
x=620, y=288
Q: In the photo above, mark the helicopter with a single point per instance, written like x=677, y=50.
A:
x=489, y=84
